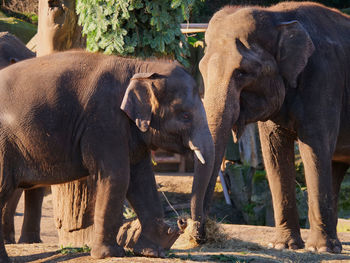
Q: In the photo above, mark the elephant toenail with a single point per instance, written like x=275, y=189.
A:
x=270, y=245
x=337, y=250
x=311, y=249
x=280, y=246
x=293, y=246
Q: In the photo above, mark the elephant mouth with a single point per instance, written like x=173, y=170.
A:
x=238, y=129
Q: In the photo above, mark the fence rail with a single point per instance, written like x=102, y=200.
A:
x=188, y=28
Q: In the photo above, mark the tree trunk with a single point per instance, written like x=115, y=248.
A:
x=57, y=27
x=73, y=203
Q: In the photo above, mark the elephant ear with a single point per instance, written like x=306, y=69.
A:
x=137, y=101
x=294, y=49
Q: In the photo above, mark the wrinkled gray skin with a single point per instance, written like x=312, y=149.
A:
x=73, y=114
x=286, y=66
x=13, y=50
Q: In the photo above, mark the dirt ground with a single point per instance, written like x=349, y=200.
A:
x=243, y=243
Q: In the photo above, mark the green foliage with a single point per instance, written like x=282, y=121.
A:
x=70, y=250
x=32, y=17
x=141, y=28
x=171, y=255
x=344, y=198
x=21, y=29
x=346, y=11
x=128, y=212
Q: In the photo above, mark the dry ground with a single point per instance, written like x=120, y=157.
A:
x=243, y=243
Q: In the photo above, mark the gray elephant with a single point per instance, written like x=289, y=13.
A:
x=13, y=50
x=73, y=114
x=286, y=66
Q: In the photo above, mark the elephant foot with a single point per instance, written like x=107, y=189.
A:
x=5, y=259
x=29, y=238
x=162, y=234
x=104, y=251
x=287, y=240
x=318, y=242
x=9, y=239
x=8, y=231
x=145, y=247
x=150, y=239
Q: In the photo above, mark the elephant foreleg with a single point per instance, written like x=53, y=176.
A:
x=33, y=200
x=316, y=156
x=155, y=235
x=278, y=152
x=107, y=158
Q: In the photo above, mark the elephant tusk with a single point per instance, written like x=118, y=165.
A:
x=199, y=156
x=197, y=152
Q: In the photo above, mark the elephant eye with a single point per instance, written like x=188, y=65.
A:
x=185, y=116
x=239, y=73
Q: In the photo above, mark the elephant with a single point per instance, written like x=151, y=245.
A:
x=286, y=67
x=75, y=114
x=13, y=50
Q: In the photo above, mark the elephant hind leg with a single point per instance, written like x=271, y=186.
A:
x=33, y=199
x=338, y=173
x=8, y=214
x=7, y=189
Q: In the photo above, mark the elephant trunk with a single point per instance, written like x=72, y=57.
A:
x=202, y=145
x=220, y=121
x=221, y=103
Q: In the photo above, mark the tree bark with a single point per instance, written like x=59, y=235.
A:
x=73, y=203
x=73, y=206
x=58, y=27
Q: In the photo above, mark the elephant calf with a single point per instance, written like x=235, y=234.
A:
x=287, y=66
x=13, y=50
x=73, y=114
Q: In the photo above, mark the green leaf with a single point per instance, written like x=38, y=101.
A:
x=175, y=3
x=138, y=27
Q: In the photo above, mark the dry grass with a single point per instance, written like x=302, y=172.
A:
x=22, y=6
x=215, y=235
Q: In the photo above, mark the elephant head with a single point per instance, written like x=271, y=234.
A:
x=166, y=107
x=12, y=50
x=251, y=59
